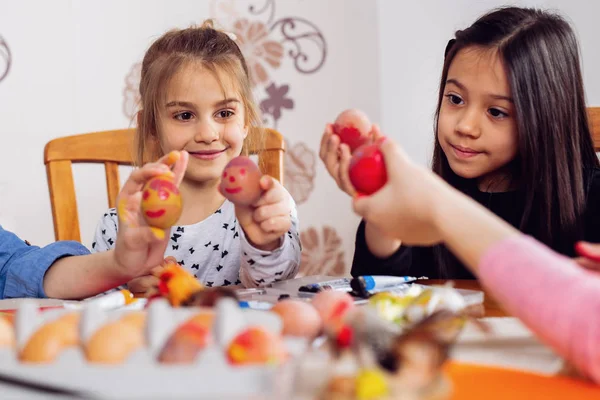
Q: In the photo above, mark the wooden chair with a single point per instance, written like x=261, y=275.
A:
x=114, y=148
x=594, y=121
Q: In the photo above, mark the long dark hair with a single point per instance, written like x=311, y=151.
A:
x=541, y=56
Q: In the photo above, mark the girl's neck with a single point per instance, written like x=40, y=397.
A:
x=200, y=200
x=497, y=181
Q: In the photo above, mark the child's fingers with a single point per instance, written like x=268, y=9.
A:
x=590, y=251
x=274, y=195
x=276, y=224
x=140, y=176
x=588, y=264
x=344, y=178
x=266, y=182
x=325, y=141
x=265, y=212
x=180, y=166
x=143, y=283
x=375, y=133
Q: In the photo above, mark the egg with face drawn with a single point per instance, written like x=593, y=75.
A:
x=161, y=202
x=240, y=182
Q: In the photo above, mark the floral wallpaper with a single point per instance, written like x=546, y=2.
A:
x=267, y=40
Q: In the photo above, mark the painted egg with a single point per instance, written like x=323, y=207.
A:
x=353, y=127
x=256, y=345
x=49, y=341
x=112, y=343
x=188, y=340
x=7, y=333
x=332, y=305
x=299, y=318
x=240, y=182
x=161, y=202
x=367, y=170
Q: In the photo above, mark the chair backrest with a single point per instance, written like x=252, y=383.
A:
x=114, y=148
x=594, y=121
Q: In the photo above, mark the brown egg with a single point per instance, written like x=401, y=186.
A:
x=161, y=202
x=332, y=305
x=48, y=341
x=240, y=182
x=112, y=343
x=353, y=127
x=299, y=318
x=7, y=333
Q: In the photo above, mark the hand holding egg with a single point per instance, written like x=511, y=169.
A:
x=341, y=140
x=140, y=245
x=262, y=205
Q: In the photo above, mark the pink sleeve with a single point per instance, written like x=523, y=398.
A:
x=553, y=296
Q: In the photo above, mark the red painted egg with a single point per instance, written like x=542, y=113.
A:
x=240, y=182
x=367, y=169
x=353, y=127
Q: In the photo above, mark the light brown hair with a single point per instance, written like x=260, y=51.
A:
x=216, y=52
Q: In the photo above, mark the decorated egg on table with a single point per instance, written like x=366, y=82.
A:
x=240, y=182
x=353, y=127
x=299, y=318
x=161, y=202
x=113, y=342
x=188, y=340
x=51, y=339
x=256, y=345
x=367, y=170
x=332, y=305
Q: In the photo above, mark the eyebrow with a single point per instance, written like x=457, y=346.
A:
x=187, y=104
x=494, y=96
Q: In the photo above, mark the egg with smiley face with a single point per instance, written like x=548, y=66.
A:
x=161, y=202
x=240, y=182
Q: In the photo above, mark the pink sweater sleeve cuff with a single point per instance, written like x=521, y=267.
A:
x=557, y=299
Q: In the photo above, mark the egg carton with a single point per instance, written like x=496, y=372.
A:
x=211, y=375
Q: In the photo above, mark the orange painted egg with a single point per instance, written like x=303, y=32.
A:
x=255, y=346
x=50, y=339
x=115, y=341
x=188, y=340
x=240, y=182
x=161, y=202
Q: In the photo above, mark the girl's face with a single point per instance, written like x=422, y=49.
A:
x=476, y=127
x=206, y=118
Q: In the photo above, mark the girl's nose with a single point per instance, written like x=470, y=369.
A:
x=469, y=124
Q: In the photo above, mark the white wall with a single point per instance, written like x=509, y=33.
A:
x=413, y=37
x=70, y=59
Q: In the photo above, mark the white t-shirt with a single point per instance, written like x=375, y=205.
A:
x=216, y=250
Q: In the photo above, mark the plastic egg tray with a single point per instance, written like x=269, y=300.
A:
x=141, y=374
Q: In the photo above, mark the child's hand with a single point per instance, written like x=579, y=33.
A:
x=267, y=220
x=590, y=255
x=405, y=208
x=147, y=285
x=336, y=157
x=138, y=249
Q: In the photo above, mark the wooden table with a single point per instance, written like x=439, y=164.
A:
x=491, y=307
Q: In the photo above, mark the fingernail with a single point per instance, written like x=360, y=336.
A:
x=381, y=140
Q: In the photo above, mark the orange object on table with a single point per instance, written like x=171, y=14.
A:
x=476, y=382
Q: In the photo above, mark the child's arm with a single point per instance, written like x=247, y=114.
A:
x=23, y=267
x=278, y=261
x=553, y=296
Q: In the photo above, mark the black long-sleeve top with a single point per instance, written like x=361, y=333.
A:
x=423, y=261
